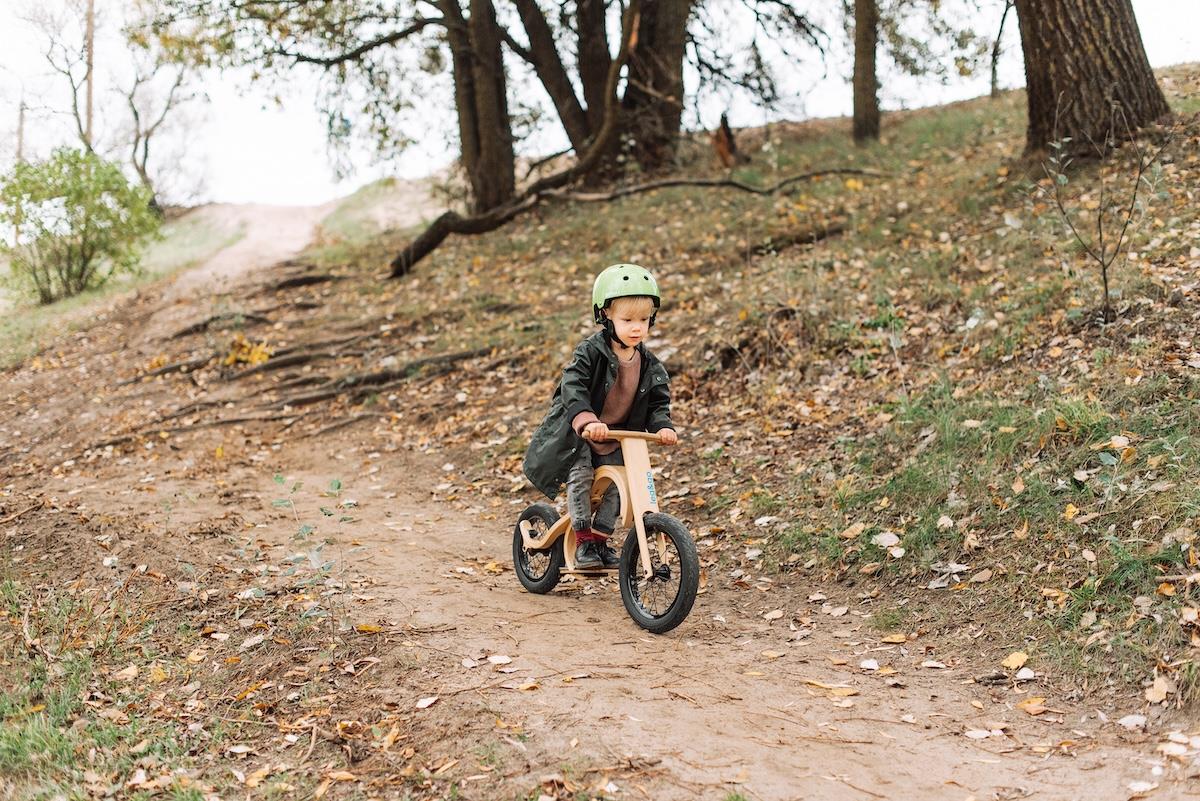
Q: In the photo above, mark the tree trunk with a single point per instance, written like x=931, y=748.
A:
x=1008, y=4
x=592, y=56
x=653, y=102
x=866, y=84
x=1081, y=58
x=484, y=127
x=553, y=76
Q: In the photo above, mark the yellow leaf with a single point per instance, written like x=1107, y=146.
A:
x=895, y=638
x=1015, y=660
x=1034, y=705
x=219, y=452
x=157, y=674
x=368, y=628
x=853, y=184
x=1022, y=532
x=1070, y=512
x=1166, y=588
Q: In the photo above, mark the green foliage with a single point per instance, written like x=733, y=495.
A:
x=78, y=222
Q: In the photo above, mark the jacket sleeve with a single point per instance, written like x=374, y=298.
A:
x=658, y=410
x=576, y=382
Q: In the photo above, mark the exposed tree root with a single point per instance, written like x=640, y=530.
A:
x=145, y=431
x=358, y=385
x=281, y=362
x=177, y=367
x=296, y=281
x=345, y=422
x=204, y=325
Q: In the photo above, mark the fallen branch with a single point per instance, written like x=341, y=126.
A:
x=809, y=237
x=20, y=514
x=666, y=183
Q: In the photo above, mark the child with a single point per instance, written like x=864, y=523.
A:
x=612, y=381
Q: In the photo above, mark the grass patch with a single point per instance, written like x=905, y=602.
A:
x=26, y=328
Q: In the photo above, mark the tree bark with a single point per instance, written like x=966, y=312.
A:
x=653, y=102
x=592, y=56
x=453, y=223
x=1082, y=57
x=866, y=84
x=480, y=97
x=543, y=55
x=1008, y=4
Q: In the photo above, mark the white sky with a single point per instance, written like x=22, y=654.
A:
x=249, y=147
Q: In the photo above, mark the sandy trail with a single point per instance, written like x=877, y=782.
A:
x=731, y=702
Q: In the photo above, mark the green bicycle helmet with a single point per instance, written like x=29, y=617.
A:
x=623, y=281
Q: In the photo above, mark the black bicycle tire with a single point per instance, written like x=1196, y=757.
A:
x=689, y=573
x=548, y=580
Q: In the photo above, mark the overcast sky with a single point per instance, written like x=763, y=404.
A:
x=249, y=145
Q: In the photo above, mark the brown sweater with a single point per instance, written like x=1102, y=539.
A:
x=617, y=402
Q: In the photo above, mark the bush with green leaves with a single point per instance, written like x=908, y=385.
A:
x=77, y=222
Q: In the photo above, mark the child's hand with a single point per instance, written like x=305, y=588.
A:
x=596, y=432
x=667, y=436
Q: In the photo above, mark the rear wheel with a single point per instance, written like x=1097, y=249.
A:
x=538, y=570
x=661, y=602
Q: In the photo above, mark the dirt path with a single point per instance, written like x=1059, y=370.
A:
x=562, y=691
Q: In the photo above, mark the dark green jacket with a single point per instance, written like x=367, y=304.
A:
x=585, y=384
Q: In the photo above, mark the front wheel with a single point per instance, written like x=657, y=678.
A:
x=661, y=602
x=537, y=570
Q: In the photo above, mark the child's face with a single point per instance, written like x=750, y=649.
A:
x=631, y=319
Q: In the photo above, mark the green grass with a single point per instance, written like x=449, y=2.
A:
x=26, y=328
x=44, y=723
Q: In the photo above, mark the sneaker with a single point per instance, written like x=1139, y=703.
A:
x=587, y=556
x=609, y=557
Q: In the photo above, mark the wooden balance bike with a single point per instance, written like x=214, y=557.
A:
x=659, y=571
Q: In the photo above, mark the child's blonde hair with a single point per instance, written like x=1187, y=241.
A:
x=631, y=304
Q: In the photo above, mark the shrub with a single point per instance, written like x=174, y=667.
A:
x=78, y=222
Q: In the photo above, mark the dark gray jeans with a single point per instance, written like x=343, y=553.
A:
x=579, y=493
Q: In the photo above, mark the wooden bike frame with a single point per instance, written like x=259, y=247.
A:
x=635, y=484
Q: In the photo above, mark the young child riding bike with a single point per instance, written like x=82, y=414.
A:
x=612, y=381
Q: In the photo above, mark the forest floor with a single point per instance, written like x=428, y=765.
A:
x=256, y=532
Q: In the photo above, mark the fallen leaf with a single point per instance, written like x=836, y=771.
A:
x=368, y=628
x=1159, y=690
x=1034, y=705
x=774, y=614
x=1016, y=659
x=853, y=531
x=499, y=659
x=425, y=703
x=895, y=638
x=772, y=654
x=933, y=664
x=1133, y=722
x=128, y=674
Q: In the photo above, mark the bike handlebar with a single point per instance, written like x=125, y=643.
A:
x=614, y=433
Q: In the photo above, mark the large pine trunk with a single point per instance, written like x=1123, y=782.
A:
x=1081, y=57
x=480, y=97
x=653, y=103
x=866, y=85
